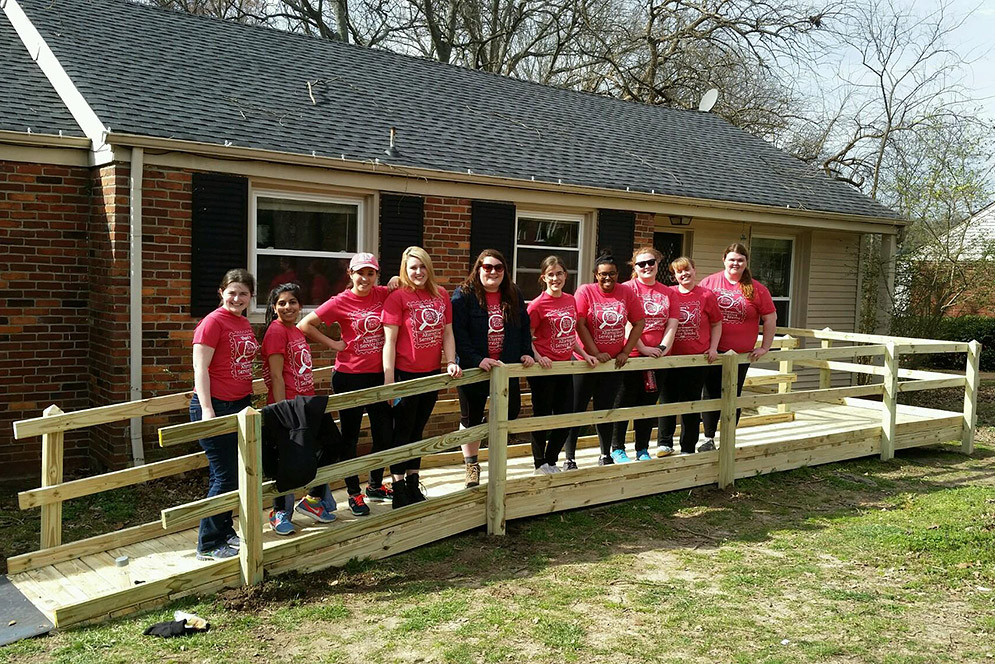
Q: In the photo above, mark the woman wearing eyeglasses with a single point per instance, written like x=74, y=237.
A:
x=699, y=327
x=491, y=324
x=603, y=310
x=642, y=388
x=745, y=305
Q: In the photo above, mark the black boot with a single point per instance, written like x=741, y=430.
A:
x=400, y=497
x=414, y=491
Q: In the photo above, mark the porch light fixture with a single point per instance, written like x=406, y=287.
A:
x=679, y=220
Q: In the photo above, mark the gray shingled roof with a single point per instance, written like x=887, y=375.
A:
x=27, y=100
x=155, y=72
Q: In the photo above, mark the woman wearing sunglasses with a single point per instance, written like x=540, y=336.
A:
x=745, y=305
x=491, y=324
x=603, y=311
x=642, y=388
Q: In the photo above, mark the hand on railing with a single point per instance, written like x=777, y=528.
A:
x=488, y=363
x=543, y=361
x=454, y=370
x=758, y=352
x=527, y=361
x=621, y=359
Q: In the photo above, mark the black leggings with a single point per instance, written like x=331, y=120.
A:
x=713, y=390
x=410, y=416
x=551, y=395
x=682, y=384
x=602, y=387
x=351, y=419
x=473, y=397
x=633, y=393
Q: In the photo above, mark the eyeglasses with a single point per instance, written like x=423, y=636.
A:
x=607, y=275
x=488, y=268
x=650, y=263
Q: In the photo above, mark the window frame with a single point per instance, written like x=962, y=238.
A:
x=362, y=234
x=791, y=271
x=579, y=217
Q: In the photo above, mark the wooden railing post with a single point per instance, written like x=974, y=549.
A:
x=727, y=420
x=826, y=375
x=51, y=474
x=250, y=495
x=889, y=402
x=786, y=367
x=497, y=450
x=972, y=376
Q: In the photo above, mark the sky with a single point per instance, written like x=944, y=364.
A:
x=976, y=40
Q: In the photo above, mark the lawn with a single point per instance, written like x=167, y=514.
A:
x=862, y=561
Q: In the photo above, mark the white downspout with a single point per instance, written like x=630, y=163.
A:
x=135, y=293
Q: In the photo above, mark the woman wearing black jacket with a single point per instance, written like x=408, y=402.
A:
x=491, y=325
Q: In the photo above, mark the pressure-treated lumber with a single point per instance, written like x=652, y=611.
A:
x=829, y=395
x=404, y=389
x=497, y=443
x=610, y=415
x=786, y=367
x=727, y=421
x=825, y=374
x=889, y=402
x=191, y=431
x=971, y=376
x=192, y=512
x=932, y=384
x=250, y=495
x=863, y=338
x=113, y=480
x=51, y=475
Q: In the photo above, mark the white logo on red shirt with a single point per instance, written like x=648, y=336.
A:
x=609, y=321
x=244, y=347
x=495, y=330
x=689, y=320
x=368, y=329
x=656, y=307
x=732, y=304
x=427, y=321
x=301, y=365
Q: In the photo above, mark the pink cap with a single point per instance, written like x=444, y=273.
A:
x=360, y=261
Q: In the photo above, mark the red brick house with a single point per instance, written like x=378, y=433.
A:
x=143, y=152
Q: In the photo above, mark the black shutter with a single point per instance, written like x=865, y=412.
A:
x=616, y=233
x=401, y=224
x=492, y=227
x=220, y=235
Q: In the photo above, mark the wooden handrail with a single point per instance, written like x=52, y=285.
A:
x=859, y=337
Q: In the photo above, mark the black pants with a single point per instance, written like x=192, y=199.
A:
x=473, y=397
x=713, y=390
x=410, y=416
x=602, y=387
x=551, y=395
x=351, y=419
x=682, y=384
x=633, y=393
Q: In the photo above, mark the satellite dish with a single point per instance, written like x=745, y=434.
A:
x=708, y=100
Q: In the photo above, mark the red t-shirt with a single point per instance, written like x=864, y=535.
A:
x=421, y=321
x=656, y=308
x=234, y=349
x=495, y=326
x=606, y=315
x=362, y=330
x=696, y=312
x=554, y=325
x=740, y=317
x=290, y=342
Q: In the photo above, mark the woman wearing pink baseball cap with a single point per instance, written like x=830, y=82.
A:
x=357, y=311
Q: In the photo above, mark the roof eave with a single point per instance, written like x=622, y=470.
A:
x=377, y=166
x=44, y=140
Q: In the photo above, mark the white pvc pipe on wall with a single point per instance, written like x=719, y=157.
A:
x=135, y=297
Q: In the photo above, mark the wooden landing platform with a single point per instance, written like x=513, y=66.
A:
x=164, y=568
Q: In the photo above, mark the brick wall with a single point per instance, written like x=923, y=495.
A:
x=43, y=306
x=645, y=225
x=446, y=238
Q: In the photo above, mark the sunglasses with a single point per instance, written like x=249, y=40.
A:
x=650, y=263
x=488, y=268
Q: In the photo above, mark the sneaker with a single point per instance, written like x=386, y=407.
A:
x=234, y=541
x=553, y=469
x=707, y=446
x=472, y=475
x=313, y=508
x=328, y=501
x=221, y=553
x=569, y=464
x=280, y=522
x=619, y=456
x=545, y=469
x=358, y=506
x=379, y=494
x=643, y=455
x=607, y=461
x=664, y=450
x=399, y=496
x=415, y=494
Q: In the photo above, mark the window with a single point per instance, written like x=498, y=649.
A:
x=771, y=265
x=538, y=235
x=306, y=240
x=671, y=245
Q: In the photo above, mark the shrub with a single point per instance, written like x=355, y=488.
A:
x=964, y=328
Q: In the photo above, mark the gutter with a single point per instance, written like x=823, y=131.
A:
x=235, y=153
x=135, y=296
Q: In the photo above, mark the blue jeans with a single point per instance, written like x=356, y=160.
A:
x=222, y=470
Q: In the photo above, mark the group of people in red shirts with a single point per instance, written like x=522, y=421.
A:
x=412, y=328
